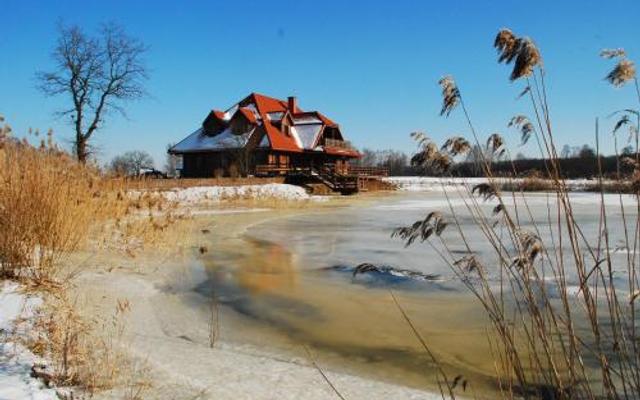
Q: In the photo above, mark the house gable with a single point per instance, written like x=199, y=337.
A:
x=214, y=123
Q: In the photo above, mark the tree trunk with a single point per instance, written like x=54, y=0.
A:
x=81, y=148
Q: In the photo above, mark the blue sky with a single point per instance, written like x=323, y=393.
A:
x=371, y=66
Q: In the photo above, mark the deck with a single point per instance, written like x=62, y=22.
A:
x=338, y=178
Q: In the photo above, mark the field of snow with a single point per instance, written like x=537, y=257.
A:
x=16, y=360
x=438, y=184
x=194, y=195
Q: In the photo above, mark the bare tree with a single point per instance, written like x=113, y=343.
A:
x=627, y=150
x=587, y=152
x=131, y=163
x=241, y=156
x=369, y=158
x=98, y=74
x=520, y=156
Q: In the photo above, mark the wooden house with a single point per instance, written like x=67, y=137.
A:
x=264, y=136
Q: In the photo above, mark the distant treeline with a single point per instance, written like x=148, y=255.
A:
x=572, y=167
x=583, y=164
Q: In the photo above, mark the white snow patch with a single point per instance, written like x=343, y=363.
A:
x=16, y=360
x=199, y=141
x=202, y=194
x=232, y=110
x=438, y=184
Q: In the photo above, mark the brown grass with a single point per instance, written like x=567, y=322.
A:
x=51, y=206
x=78, y=356
x=47, y=203
x=168, y=184
x=83, y=352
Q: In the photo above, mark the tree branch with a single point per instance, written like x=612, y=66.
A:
x=97, y=73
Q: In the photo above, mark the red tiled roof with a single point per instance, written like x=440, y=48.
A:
x=267, y=104
x=248, y=114
x=326, y=120
x=278, y=140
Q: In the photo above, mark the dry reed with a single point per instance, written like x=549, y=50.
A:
x=545, y=346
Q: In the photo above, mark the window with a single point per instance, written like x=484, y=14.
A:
x=284, y=160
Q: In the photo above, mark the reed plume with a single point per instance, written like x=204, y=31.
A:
x=468, y=263
x=623, y=72
x=495, y=144
x=433, y=223
x=485, y=190
x=507, y=44
x=428, y=155
x=450, y=95
x=456, y=145
x=525, y=126
x=613, y=53
x=522, y=52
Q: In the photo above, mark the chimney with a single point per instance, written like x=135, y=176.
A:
x=293, y=104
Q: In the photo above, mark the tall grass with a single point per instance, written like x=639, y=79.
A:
x=567, y=345
x=50, y=206
x=47, y=204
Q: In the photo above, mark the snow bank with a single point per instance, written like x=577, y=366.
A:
x=438, y=184
x=429, y=183
x=16, y=360
x=216, y=193
x=204, y=194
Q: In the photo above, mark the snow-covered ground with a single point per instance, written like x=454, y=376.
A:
x=204, y=194
x=16, y=360
x=438, y=184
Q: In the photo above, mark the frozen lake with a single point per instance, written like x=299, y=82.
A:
x=290, y=279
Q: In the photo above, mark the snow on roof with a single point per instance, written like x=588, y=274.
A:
x=308, y=134
x=229, y=113
x=198, y=141
x=253, y=108
x=275, y=116
x=265, y=141
x=306, y=119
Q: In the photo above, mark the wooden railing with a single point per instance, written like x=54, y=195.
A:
x=269, y=169
x=368, y=171
x=340, y=144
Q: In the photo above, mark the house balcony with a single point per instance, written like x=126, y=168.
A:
x=339, y=144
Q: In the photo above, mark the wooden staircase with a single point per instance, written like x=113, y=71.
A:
x=337, y=182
